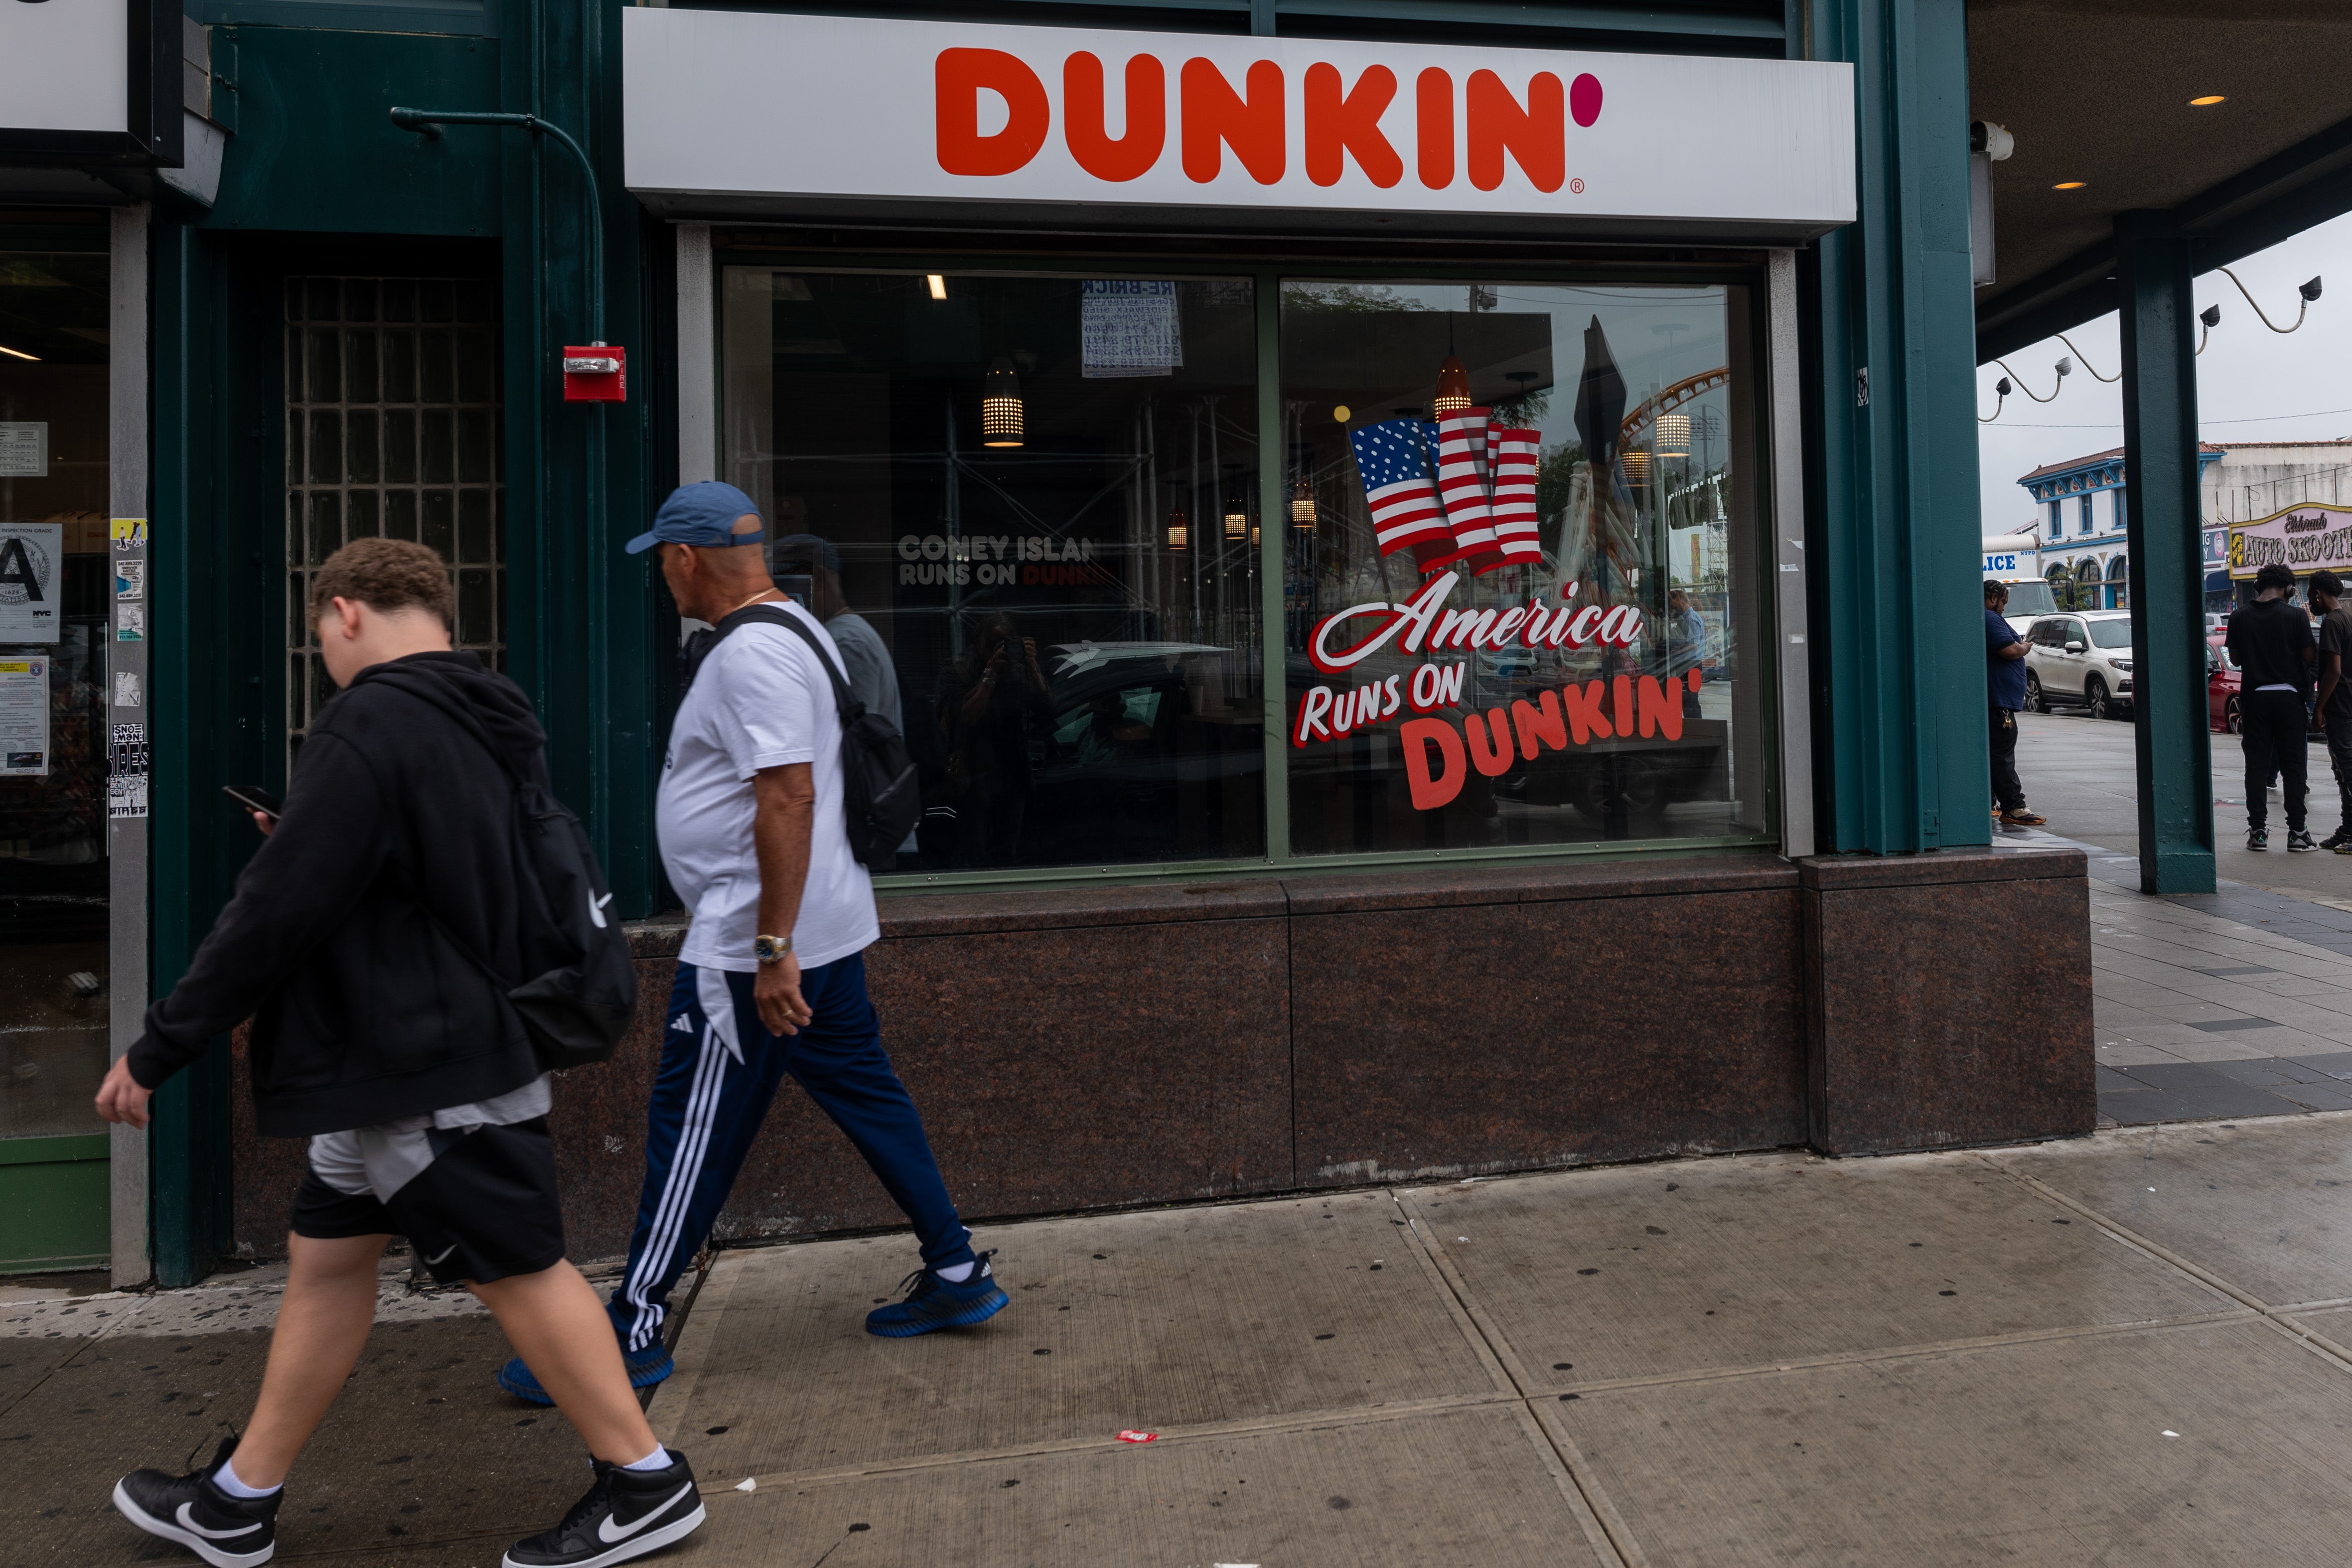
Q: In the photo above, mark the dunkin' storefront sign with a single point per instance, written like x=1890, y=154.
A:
x=724, y=103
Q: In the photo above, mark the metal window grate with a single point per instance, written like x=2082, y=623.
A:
x=392, y=429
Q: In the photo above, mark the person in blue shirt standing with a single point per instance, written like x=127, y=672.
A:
x=2005, y=689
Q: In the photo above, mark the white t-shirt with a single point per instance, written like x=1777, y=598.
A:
x=760, y=700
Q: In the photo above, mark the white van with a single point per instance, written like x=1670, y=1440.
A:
x=2012, y=558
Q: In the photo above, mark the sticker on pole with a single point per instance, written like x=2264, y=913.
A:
x=1138, y=1436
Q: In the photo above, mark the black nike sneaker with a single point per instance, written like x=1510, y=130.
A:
x=226, y=1531
x=626, y=1514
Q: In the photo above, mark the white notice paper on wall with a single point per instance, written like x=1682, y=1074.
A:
x=23, y=718
x=24, y=449
x=1128, y=327
x=32, y=581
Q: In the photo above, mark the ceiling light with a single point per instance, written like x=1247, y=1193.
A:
x=1179, y=535
x=2207, y=102
x=2069, y=185
x=1302, y=503
x=20, y=354
x=938, y=286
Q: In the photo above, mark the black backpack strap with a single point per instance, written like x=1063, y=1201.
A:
x=844, y=701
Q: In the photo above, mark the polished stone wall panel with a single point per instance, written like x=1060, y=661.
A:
x=1459, y=1038
x=1952, y=1008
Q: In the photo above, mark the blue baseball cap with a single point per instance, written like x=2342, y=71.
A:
x=702, y=513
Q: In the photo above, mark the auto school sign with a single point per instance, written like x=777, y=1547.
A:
x=2308, y=537
x=726, y=103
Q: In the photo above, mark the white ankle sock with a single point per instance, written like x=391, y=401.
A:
x=956, y=1274
x=225, y=1479
x=657, y=1461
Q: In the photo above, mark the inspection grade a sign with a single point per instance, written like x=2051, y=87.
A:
x=2309, y=537
x=739, y=103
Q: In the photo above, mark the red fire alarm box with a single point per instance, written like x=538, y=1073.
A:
x=597, y=373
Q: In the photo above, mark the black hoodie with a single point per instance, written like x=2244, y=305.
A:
x=363, y=1009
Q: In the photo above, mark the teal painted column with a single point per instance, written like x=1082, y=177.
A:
x=2163, y=523
x=1901, y=760
x=580, y=613
x=188, y=1150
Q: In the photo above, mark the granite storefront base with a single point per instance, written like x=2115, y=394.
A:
x=1098, y=1047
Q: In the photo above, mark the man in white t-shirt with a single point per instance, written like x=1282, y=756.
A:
x=771, y=978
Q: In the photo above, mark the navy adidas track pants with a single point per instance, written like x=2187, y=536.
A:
x=720, y=1071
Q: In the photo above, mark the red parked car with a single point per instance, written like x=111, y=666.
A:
x=2221, y=686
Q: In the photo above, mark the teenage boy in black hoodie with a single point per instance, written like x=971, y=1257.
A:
x=353, y=943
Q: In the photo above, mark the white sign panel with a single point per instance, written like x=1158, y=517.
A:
x=64, y=65
x=24, y=449
x=32, y=582
x=23, y=718
x=725, y=102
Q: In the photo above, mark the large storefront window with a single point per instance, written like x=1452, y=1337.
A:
x=1507, y=533
x=1040, y=496
x=1537, y=501
x=55, y=589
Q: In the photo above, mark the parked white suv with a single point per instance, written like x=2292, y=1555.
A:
x=2083, y=657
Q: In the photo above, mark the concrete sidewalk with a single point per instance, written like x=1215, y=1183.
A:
x=2232, y=1003
x=2127, y=1348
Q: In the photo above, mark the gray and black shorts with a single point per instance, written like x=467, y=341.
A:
x=476, y=1203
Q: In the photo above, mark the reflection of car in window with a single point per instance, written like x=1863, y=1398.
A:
x=1146, y=753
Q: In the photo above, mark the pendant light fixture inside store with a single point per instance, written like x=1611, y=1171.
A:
x=1302, y=503
x=1180, y=535
x=1453, y=386
x=1236, y=515
x=1673, y=434
x=1453, y=380
x=1637, y=466
x=1000, y=405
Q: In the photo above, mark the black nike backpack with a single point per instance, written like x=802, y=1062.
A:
x=582, y=990
x=881, y=793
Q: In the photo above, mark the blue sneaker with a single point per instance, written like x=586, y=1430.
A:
x=935, y=1303
x=646, y=1367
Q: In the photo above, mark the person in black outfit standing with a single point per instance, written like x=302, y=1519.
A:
x=2271, y=640
x=2332, y=714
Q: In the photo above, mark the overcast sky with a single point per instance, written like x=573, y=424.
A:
x=2252, y=385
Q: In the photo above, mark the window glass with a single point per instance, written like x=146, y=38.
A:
x=1521, y=567
x=56, y=586
x=2114, y=634
x=1027, y=509
x=391, y=417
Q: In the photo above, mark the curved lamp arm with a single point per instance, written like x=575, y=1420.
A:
x=426, y=122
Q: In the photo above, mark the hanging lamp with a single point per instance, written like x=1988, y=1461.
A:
x=1453, y=386
x=1237, y=515
x=1000, y=405
x=1673, y=434
x=1302, y=503
x=1179, y=535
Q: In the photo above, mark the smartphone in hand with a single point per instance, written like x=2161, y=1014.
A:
x=254, y=798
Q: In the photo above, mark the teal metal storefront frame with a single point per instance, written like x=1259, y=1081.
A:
x=1896, y=750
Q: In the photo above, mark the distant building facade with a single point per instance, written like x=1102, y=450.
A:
x=2079, y=507
x=2079, y=513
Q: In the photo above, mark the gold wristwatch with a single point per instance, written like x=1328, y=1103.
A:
x=771, y=950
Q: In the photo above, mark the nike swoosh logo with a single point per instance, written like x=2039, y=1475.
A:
x=436, y=1262
x=188, y=1522
x=607, y=1532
